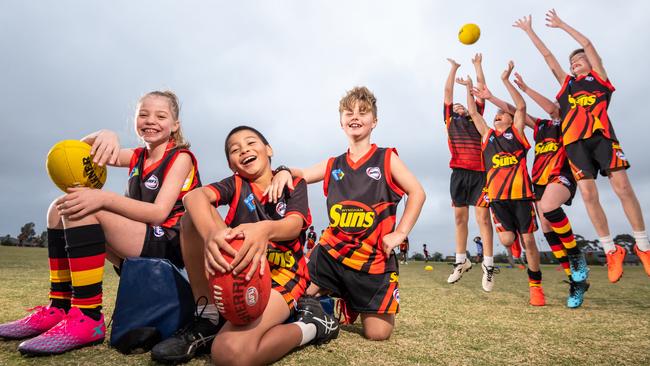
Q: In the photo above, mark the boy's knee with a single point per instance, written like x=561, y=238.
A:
x=226, y=351
x=53, y=217
x=461, y=218
x=377, y=333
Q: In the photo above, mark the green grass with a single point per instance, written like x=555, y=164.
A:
x=439, y=323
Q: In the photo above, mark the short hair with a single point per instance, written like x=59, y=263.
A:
x=243, y=128
x=361, y=95
x=575, y=52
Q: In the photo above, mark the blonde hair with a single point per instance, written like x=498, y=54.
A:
x=361, y=95
x=174, y=105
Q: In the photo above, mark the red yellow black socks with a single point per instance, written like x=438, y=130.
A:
x=534, y=278
x=562, y=227
x=86, y=253
x=60, y=281
x=558, y=251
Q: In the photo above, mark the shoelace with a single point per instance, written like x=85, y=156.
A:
x=490, y=273
x=37, y=312
x=185, y=331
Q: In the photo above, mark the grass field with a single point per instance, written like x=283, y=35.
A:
x=439, y=323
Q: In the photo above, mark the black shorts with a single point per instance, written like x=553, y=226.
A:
x=595, y=154
x=162, y=242
x=567, y=182
x=362, y=292
x=467, y=188
x=517, y=216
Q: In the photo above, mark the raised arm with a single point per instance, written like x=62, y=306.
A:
x=449, y=85
x=526, y=25
x=480, y=76
x=477, y=118
x=554, y=21
x=546, y=104
x=519, y=119
x=486, y=94
x=284, y=178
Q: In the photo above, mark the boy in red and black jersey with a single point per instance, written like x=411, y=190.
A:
x=508, y=183
x=468, y=177
x=590, y=142
x=355, y=259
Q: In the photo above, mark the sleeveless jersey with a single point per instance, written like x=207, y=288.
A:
x=550, y=155
x=247, y=205
x=463, y=139
x=583, y=107
x=145, y=183
x=362, y=203
x=504, y=155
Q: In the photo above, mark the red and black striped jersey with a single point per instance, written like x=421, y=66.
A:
x=583, y=107
x=463, y=139
x=362, y=203
x=505, y=161
x=145, y=183
x=550, y=155
x=248, y=205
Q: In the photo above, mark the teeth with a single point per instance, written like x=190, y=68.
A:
x=248, y=160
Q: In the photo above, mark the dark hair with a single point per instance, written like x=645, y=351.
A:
x=311, y=228
x=243, y=128
x=575, y=52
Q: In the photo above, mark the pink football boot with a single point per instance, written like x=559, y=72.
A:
x=39, y=321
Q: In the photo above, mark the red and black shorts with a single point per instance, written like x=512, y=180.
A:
x=596, y=154
x=292, y=295
x=162, y=242
x=467, y=188
x=567, y=182
x=517, y=216
x=362, y=292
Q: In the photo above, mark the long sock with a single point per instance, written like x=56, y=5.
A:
x=534, y=278
x=86, y=252
x=608, y=243
x=558, y=251
x=308, y=332
x=488, y=261
x=642, y=242
x=562, y=227
x=60, y=281
x=460, y=257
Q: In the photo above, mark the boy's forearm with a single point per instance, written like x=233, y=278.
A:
x=517, y=98
x=449, y=85
x=204, y=217
x=414, y=202
x=501, y=104
x=579, y=37
x=546, y=104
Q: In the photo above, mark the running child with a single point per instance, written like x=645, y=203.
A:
x=86, y=226
x=589, y=139
x=554, y=186
x=425, y=251
x=311, y=241
x=467, y=181
x=404, y=250
x=355, y=259
x=509, y=185
x=270, y=230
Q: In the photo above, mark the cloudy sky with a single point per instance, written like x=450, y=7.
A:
x=71, y=67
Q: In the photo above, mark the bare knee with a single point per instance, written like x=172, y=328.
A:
x=227, y=350
x=54, y=220
x=377, y=333
x=378, y=327
x=483, y=217
x=589, y=194
x=461, y=217
x=622, y=188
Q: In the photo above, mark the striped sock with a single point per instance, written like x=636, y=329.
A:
x=558, y=251
x=534, y=278
x=562, y=227
x=86, y=253
x=60, y=281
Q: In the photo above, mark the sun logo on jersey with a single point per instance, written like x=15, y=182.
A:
x=502, y=160
x=337, y=174
x=352, y=217
x=546, y=147
x=583, y=99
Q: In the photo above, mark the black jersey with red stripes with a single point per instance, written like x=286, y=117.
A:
x=145, y=183
x=550, y=155
x=362, y=204
x=248, y=205
x=583, y=107
x=505, y=162
x=463, y=139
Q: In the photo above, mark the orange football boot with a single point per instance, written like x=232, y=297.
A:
x=615, y=261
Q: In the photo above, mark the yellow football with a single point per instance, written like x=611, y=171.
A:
x=428, y=268
x=469, y=33
x=69, y=164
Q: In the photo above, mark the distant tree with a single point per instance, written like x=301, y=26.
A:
x=588, y=245
x=5, y=240
x=41, y=240
x=417, y=257
x=625, y=240
x=437, y=257
x=26, y=233
x=501, y=257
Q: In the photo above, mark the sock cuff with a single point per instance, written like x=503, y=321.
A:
x=552, y=237
x=537, y=276
x=56, y=243
x=82, y=236
x=555, y=215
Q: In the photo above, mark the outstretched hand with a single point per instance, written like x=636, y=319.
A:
x=505, y=75
x=520, y=82
x=553, y=20
x=525, y=23
x=482, y=92
x=467, y=82
x=477, y=59
x=453, y=63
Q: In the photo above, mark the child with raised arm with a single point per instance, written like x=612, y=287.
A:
x=591, y=144
x=355, y=259
x=554, y=186
x=508, y=183
x=467, y=181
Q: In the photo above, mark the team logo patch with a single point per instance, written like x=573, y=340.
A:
x=352, y=217
x=374, y=173
x=158, y=231
x=621, y=155
x=396, y=295
x=491, y=138
x=564, y=180
x=251, y=296
x=134, y=172
x=337, y=174
x=589, y=78
x=557, y=122
x=508, y=135
x=281, y=208
x=250, y=202
x=152, y=182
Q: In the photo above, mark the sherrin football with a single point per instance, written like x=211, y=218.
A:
x=69, y=164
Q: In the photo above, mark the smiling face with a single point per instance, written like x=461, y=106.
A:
x=459, y=109
x=502, y=120
x=248, y=155
x=579, y=63
x=358, y=122
x=155, y=121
